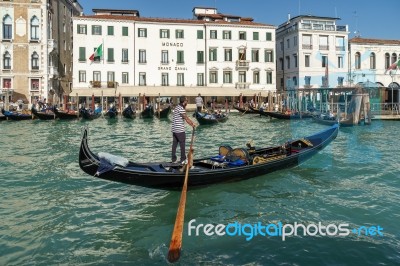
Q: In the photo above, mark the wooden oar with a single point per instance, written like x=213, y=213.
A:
x=175, y=245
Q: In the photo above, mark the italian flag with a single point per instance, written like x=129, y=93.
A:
x=97, y=52
x=395, y=65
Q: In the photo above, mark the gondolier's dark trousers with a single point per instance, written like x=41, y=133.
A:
x=181, y=139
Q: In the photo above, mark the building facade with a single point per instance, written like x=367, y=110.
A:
x=370, y=60
x=311, y=52
x=36, y=48
x=134, y=54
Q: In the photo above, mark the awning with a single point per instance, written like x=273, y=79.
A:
x=165, y=91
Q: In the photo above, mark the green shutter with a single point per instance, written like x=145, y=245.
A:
x=269, y=36
x=160, y=33
x=82, y=53
x=110, y=53
x=124, y=31
x=199, y=34
x=110, y=30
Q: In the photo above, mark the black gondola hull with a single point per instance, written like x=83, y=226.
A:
x=205, y=119
x=279, y=115
x=157, y=175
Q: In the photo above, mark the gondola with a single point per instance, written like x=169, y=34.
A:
x=67, y=115
x=326, y=120
x=88, y=114
x=129, y=112
x=259, y=111
x=148, y=112
x=3, y=117
x=15, y=115
x=209, y=119
x=244, y=110
x=289, y=116
x=112, y=112
x=228, y=165
x=163, y=113
x=42, y=115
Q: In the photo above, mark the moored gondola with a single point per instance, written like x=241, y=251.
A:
x=112, y=112
x=164, y=112
x=88, y=114
x=15, y=115
x=43, y=115
x=129, y=112
x=208, y=119
x=244, y=110
x=229, y=165
x=148, y=112
x=67, y=115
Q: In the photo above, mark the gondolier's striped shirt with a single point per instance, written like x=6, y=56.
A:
x=178, y=122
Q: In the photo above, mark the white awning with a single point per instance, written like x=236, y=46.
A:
x=165, y=91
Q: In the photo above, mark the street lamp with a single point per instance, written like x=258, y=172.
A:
x=391, y=86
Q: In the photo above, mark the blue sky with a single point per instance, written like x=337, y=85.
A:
x=373, y=19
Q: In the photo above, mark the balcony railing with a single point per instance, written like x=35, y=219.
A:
x=242, y=64
x=316, y=26
x=307, y=46
x=324, y=47
x=99, y=84
x=340, y=48
x=242, y=85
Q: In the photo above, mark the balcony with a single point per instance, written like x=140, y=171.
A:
x=242, y=85
x=111, y=84
x=324, y=47
x=307, y=46
x=95, y=84
x=51, y=45
x=242, y=64
x=340, y=48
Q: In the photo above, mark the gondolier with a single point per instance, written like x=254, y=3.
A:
x=199, y=103
x=178, y=129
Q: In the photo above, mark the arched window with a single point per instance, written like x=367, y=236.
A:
x=7, y=60
x=387, y=61
x=372, y=61
x=35, y=60
x=7, y=27
x=34, y=28
x=394, y=58
x=357, y=60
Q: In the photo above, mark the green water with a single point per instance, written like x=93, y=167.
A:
x=52, y=213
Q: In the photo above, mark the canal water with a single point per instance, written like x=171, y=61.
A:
x=53, y=213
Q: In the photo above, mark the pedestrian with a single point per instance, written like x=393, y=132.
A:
x=178, y=130
x=199, y=103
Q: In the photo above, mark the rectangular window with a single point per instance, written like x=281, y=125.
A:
x=288, y=43
x=307, y=44
x=164, y=57
x=281, y=63
x=82, y=29
x=110, y=76
x=256, y=77
x=97, y=76
x=200, y=79
x=242, y=76
x=227, y=35
x=294, y=81
x=164, y=79
x=213, y=54
x=268, y=36
x=269, y=77
x=307, y=80
x=287, y=62
x=110, y=55
x=180, y=57
x=269, y=56
x=295, y=60
x=96, y=30
x=340, y=81
x=82, y=76
x=242, y=35
x=124, y=31
x=255, y=36
x=82, y=54
x=228, y=77
x=180, y=81
x=164, y=34
x=307, y=60
x=199, y=34
x=179, y=34
x=295, y=41
x=142, y=32
x=340, y=61
x=125, y=58
x=200, y=57
x=7, y=83
x=142, y=56
x=110, y=30
x=324, y=60
x=228, y=55
x=323, y=43
x=255, y=55
x=125, y=77
x=213, y=76
x=142, y=79
x=34, y=84
x=213, y=34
